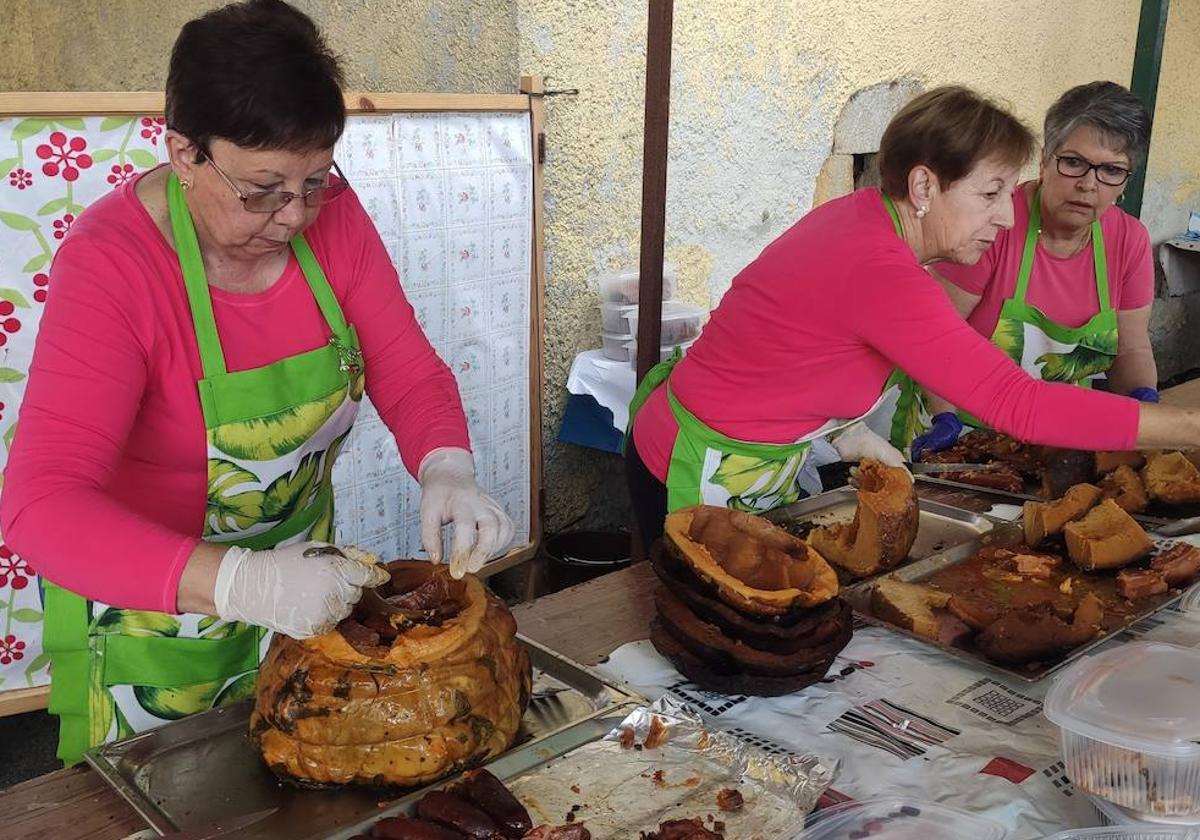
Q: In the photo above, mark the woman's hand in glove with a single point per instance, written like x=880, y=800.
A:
x=450, y=494
x=299, y=590
x=942, y=435
x=857, y=442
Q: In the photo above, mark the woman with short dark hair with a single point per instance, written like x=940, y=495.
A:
x=1067, y=292
x=805, y=340
x=196, y=373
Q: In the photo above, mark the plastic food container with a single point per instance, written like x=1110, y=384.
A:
x=615, y=318
x=1130, y=832
x=617, y=347
x=622, y=288
x=898, y=818
x=1115, y=815
x=1130, y=727
x=680, y=322
x=664, y=353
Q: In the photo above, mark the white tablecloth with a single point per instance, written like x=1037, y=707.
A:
x=610, y=383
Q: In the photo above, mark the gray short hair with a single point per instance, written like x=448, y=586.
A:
x=1105, y=106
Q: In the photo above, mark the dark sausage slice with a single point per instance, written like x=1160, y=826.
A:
x=456, y=812
x=489, y=794
x=405, y=828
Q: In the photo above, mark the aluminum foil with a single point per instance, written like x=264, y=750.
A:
x=619, y=789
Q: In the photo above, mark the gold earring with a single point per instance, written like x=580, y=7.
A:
x=187, y=185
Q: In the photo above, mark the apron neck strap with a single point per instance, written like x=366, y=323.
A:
x=1099, y=257
x=894, y=213
x=320, y=287
x=187, y=248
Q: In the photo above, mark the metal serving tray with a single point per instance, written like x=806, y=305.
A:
x=1006, y=535
x=190, y=773
x=1159, y=520
x=941, y=526
x=621, y=793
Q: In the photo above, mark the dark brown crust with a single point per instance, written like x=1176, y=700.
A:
x=723, y=654
x=781, y=634
x=706, y=678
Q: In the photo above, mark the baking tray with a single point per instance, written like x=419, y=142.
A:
x=1158, y=520
x=941, y=526
x=1005, y=536
x=190, y=773
x=618, y=792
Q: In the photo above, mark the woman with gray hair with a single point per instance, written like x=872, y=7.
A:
x=1066, y=292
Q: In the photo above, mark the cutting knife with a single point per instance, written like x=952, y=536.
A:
x=221, y=828
x=936, y=469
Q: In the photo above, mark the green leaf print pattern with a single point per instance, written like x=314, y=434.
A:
x=230, y=509
x=1079, y=364
x=266, y=438
x=136, y=623
x=289, y=492
x=912, y=416
x=101, y=707
x=1010, y=337
x=757, y=484
x=177, y=702
x=240, y=689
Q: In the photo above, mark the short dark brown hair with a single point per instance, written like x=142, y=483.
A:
x=256, y=73
x=950, y=130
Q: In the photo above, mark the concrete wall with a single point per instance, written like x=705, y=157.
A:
x=395, y=45
x=1173, y=181
x=757, y=89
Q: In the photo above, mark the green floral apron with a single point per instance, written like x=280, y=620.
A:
x=273, y=435
x=707, y=467
x=1045, y=349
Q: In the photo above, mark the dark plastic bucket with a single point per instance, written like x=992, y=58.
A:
x=576, y=556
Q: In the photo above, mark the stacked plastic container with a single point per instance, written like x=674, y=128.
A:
x=681, y=322
x=1129, y=720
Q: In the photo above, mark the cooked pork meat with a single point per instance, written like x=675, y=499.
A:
x=975, y=612
x=1135, y=584
x=1179, y=564
x=1035, y=634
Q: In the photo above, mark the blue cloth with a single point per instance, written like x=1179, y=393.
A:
x=587, y=423
x=1147, y=395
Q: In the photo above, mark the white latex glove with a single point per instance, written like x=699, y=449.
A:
x=857, y=442
x=449, y=493
x=299, y=590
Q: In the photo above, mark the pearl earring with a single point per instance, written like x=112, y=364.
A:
x=921, y=211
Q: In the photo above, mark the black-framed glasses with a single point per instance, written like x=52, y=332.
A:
x=272, y=201
x=1106, y=173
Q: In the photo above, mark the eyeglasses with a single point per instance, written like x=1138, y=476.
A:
x=1106, y=173
x=272, y=201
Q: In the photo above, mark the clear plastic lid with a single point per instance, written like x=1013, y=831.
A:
x=898, y=818
x=1132, y=832
x=622, y=287
x=1142, y=696
x=1191, y=599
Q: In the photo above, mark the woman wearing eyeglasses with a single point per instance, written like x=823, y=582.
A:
x=1067, y=291
x=197, y=369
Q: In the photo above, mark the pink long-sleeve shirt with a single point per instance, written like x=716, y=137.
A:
x=1063, y=288
x=105, y=487
x=813, y=327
